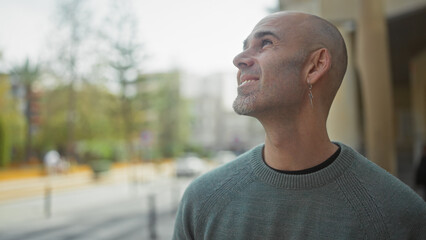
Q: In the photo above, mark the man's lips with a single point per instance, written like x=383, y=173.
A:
x=246, y=79
x=245, y=82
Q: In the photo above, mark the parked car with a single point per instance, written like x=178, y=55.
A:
x=190, y=166
x=223, y=157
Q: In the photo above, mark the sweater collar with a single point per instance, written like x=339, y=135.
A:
x=304, y=181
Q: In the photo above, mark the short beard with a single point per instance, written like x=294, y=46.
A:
x=244, y=105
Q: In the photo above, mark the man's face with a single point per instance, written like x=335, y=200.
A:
x=269, y=70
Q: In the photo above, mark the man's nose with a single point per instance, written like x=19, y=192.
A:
x=243, y=60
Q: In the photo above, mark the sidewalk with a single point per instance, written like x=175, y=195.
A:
x=115, y=207
x=19, y=184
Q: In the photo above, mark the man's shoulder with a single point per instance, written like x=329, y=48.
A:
x=378, y=180
x=394, y=199
x=381, y=199
x=372, y=176
x=220, y=176
x=215, y=187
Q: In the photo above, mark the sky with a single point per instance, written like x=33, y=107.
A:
x=196, y=36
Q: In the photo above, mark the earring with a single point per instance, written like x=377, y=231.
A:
x=311, y=97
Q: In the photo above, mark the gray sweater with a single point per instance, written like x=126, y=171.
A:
x=350, y=199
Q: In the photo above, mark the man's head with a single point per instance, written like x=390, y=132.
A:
x=284, y=55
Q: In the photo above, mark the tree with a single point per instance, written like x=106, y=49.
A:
x=72, y=35
x=97, y=118
x=169, y=140
x=120, y=34
x=26, y=75
x=9, y=122
x=167, y=113
x=4, y=138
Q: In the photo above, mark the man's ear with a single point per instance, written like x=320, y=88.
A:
x=319, y=64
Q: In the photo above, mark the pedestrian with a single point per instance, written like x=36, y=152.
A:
x=298, y=184
x=51, y=162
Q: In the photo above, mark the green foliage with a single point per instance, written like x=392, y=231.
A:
x=99, y=166
x=25, y=76
x=198, y=150
x=99, y=126
x=97, y=113
x=52, y=131
x=4, y=145
x=11, y=121
x=109, y=150
x=166, y=113
x=96, y=116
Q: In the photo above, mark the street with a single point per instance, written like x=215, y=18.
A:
x=105, y=210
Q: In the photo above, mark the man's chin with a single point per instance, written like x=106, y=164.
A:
x=241, y=113
x=242, y=108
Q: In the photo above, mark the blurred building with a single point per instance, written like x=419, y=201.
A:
x=381, y=107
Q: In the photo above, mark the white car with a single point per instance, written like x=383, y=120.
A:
x=190, y=166
x=223, y=157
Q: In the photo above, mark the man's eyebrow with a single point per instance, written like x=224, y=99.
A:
x=260, y=35
x=265, y=33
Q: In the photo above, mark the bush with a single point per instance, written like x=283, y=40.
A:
x=4, y=145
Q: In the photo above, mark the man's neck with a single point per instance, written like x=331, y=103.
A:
x=293, y=147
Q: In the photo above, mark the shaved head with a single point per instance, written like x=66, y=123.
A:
x=326, y=35
x=312, y=33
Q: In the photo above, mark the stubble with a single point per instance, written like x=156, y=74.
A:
x=244, y=105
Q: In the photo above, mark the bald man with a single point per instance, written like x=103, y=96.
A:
x=298, y=184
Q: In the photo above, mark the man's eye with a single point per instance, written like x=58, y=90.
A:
x=266, y=42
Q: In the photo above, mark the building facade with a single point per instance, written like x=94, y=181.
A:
x=381, y=107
